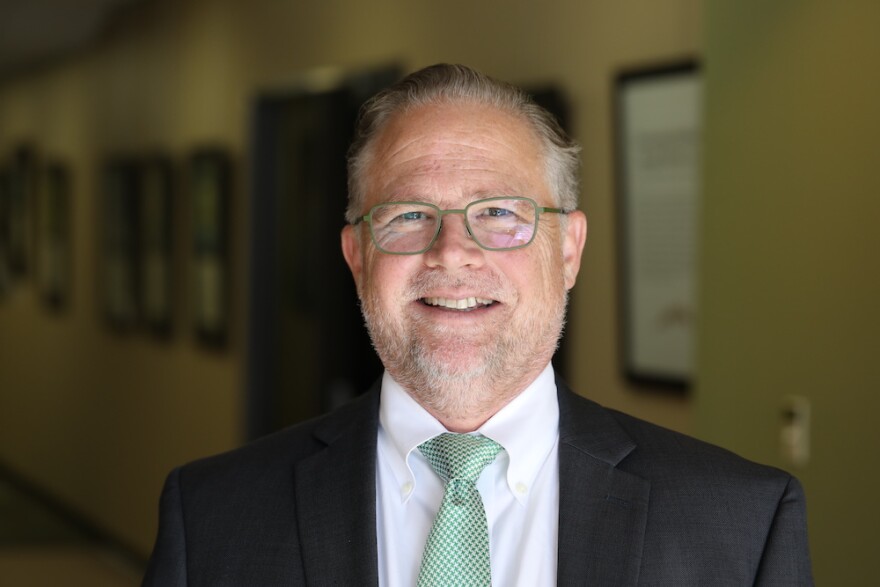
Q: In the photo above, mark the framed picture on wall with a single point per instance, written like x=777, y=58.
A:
x=119, y=243
x=53, y=250
x=5, y=222
x=658, y=131
x=209, y=180
x=22, y=183
x=156, y=234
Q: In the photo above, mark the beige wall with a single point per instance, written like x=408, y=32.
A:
x=98, y=419
x=790, y=279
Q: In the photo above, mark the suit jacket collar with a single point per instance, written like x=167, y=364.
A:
x=603, y=510
x=336, y=498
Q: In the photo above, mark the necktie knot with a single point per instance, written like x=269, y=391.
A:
x=459, y=456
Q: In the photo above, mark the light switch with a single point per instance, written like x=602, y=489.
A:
x=794, y=436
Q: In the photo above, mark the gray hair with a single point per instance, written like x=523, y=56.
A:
x=444, y=83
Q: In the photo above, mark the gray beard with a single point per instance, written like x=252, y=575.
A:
x=468, y=388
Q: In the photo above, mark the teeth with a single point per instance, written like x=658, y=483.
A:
x=462, y=304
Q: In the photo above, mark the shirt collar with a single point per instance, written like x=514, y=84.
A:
x=527, y=428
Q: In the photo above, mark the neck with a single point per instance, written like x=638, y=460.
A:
x=462, y=424
x=463, y=405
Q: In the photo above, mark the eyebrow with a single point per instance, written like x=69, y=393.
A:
x=432, y=199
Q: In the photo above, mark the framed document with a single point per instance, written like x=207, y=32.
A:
x=658, y=114
x=156, y=236
x=53, y=268
x=119, y=244
x=209, y=190
x=5, y=225
x=21, y=185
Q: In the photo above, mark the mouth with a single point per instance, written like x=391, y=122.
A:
x=460, y=304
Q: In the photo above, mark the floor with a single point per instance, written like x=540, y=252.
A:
x=39, y=547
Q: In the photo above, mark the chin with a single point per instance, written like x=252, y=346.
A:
x=439, y=369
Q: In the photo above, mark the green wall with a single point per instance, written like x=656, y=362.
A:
x=790, y=276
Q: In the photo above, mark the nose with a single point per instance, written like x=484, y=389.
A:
x=454, y=247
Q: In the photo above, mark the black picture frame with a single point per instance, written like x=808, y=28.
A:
x=5, y=225
x=657, y=143
x=22, y=186
x=156, y=231
x=54, y=258
x=209, y=188
x=119, y=244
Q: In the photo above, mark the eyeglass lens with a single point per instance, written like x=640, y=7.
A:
x=495, y=224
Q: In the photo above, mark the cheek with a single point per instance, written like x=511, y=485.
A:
x=387, y=276
x=548, y=273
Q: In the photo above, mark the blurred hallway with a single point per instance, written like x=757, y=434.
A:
x=97, y=416
x=39, y=548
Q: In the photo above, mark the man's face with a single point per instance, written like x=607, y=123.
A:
x=474, y=359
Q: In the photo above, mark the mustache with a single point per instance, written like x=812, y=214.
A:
x=486, y=284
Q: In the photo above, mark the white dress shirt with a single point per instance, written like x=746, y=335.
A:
x=520, y=489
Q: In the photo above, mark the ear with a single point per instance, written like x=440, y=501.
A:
x=573, y=246
x=351, y=250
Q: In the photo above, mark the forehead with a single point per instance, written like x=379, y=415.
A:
x=455, y=152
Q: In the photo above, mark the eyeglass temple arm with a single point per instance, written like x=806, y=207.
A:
x=545, y=210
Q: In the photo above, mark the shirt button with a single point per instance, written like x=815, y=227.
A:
x=521, y=488
x=407, y=488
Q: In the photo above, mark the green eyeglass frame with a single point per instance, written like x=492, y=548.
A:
x=368, y=219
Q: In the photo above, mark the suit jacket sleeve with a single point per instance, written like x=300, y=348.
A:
x=786, y=557
x=167, y=567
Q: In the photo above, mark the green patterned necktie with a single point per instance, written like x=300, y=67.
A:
x=457, y=551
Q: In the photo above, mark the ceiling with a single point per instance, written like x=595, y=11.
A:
x=34, y=32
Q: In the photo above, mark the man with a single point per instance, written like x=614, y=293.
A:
x=463, y=240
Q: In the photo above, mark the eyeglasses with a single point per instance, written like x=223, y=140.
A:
x=502, y=223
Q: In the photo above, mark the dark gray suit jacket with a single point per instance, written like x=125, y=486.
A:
x=639, y=505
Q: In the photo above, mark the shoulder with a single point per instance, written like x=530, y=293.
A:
x=234, y=518
x=668, y=458
x=706, y=515
x=268, y=460
x=662, y=451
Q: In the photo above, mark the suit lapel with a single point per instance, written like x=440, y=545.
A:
x=603, y=510
x=336, y=499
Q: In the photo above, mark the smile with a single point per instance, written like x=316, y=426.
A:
x=460, y=304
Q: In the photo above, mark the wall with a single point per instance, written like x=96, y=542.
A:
x=99, y=419
x=95, y=418
x=790, y=280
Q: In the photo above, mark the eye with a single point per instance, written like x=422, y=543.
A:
x=498, y=212
x=497, y=216
x=410, y=216
x=404, y=217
